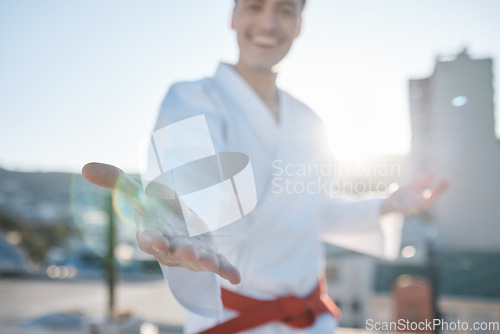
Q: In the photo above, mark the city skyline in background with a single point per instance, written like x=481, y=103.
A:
x=82, y=81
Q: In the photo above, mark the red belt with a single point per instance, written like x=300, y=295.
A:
x=291, y=310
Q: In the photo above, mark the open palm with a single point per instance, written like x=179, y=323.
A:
x=161, y=230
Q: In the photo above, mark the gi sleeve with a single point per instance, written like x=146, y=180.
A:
x=199, y=292
x=357, y=225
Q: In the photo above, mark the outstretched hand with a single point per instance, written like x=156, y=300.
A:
x=415, y=197
x=161, y=231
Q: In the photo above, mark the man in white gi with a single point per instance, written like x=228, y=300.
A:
x=274, y=253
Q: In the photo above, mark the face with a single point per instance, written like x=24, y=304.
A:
x=265, y=30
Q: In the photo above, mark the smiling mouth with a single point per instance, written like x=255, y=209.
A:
x=265, y=41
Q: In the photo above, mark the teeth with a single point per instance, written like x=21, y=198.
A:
x=265, y=40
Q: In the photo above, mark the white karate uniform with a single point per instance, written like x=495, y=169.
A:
x=277, y=247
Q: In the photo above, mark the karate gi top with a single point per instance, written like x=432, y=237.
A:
x=278, y=246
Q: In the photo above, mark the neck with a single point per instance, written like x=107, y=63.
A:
x=263, y=83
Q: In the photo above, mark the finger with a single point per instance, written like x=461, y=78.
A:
x=110, y=177
x=103, y=175
x=405, y=201
x=410, y=203
x=209, y=262
x=440, y=188
x=185, y=252
x=151, y=242
x=437, y=191
x=228, y=271
x=423, y=182
x=160, y=245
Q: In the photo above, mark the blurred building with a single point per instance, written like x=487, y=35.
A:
x=12, y=259
x=35, y=205
x=452, y=116
x=453, y=135
x=36, y=197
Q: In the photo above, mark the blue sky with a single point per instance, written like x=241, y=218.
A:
x=82, y=80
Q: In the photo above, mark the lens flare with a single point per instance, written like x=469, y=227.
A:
x=123, y=210
x=90, y=207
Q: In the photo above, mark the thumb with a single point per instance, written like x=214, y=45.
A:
x=110, y=177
